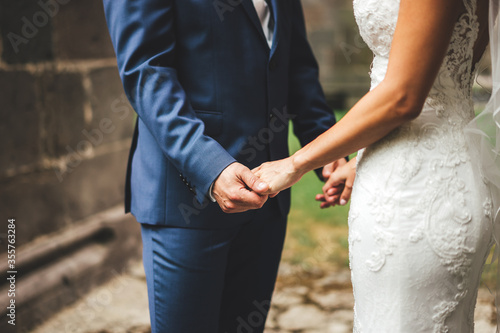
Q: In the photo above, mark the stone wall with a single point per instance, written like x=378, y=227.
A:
x=65, y=122
x=65, y=132
x=343, y=57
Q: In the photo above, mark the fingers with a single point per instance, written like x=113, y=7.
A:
x=241, y=201
x=235, y=188
x=253, y=182
x=328, y=169
x=276, y=175
x=324, y=205
x=333, y=200
x=346, y=194
x=327, y=201
x=321, y=198
x=340, y=194
x=336, y=179
x=334, y=191
x=256, y=171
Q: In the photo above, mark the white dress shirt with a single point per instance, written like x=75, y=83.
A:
x=264, y=14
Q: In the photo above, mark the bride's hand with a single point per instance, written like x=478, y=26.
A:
x=279, y=175
x=338, y=187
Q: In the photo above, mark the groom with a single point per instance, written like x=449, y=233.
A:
x=214, y=84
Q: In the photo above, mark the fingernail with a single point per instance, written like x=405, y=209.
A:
x=343, y=202
x=261, y=186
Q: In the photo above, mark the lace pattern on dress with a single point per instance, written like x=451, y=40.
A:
x=454, y=82
x=438, y=132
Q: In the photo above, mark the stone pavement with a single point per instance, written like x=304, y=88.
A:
x=312, y=302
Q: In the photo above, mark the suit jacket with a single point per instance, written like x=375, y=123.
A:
x=208, y=91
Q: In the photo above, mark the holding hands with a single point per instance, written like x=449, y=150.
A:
x=338, y=186
x=279, y=175
x=237, y=189
x=339, y=176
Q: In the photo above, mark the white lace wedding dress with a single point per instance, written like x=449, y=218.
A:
x=419, y=224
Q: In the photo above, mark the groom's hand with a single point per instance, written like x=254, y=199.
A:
x=237, y=189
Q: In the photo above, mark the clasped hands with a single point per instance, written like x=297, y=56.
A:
x=238, y=189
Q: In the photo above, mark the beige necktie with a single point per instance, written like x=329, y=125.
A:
x=264, y=16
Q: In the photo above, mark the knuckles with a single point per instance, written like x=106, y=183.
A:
x=230, y=206
x=233, y=197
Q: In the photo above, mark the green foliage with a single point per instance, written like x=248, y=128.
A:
x=316, y=236
x=304, y=192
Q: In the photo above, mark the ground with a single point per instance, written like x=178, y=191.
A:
x=304, y=302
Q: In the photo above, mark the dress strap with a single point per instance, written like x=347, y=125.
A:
x=470, y=6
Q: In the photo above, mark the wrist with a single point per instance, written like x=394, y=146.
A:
x=300, y=164
x=211, y=192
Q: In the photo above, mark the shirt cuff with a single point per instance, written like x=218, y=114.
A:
x=210, y=194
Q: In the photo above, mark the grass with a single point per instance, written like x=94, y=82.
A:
x=316, y=237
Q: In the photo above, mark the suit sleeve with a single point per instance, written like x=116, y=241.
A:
x=143, y=35
x=306, y=98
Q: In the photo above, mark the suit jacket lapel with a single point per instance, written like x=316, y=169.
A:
x=252, y=15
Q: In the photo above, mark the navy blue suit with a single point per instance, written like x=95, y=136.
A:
x=209, y=91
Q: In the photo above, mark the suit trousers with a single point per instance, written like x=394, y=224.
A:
x=213, y=280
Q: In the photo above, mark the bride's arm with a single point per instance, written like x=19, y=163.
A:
x=421, y=39
x=420, y=42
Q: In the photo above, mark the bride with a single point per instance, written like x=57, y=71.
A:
x=420, y=224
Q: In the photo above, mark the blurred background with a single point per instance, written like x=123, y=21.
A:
x=65, y=131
